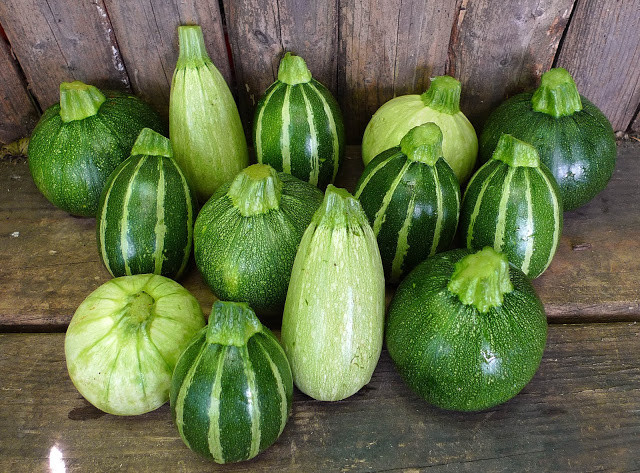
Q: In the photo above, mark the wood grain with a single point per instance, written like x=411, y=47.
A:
x=388, y=48
x=602, y=52
x=581, y=412
x=18, y=115
x=62, y=40
x=147, y=36
x=498, y=49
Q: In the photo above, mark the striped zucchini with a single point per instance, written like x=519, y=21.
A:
x=412, y=199
x=298, y=126
x=146, y=212
x=232, y=387
x=513, y=204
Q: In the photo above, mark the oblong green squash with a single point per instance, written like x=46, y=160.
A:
x=440, y=104
x=297, y=126
x=125, y=339
x=78, y=143
x=572, y=136
x=231, y=390
x=246, y=237
x=204, y=124
x=333, y=319
x=412, y=199
x=465, y=330
x=146, y=212
x=513, y=204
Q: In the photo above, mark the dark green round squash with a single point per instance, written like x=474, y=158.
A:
x=80, y=141
x=412, y=199
x=231, y=389
x=146, y=212
x=573, y=137
x=466, y=330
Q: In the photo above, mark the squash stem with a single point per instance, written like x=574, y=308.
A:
x=339, y=209
x=79, y=101
x=141, y=308
x=256, y=190
x=516, y=153
x=232, y=323
x=423, y=143
x=557, y=95
x=481, y=279
x=193, y=51
x=152, y=143
x=293, y=70
x=443, y=95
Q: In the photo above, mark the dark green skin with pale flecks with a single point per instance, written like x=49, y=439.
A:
x=141, y=206
x=249, y=259
x=235, y=397
x=418, y=179
x=71, y=162
x=579, y=150
x=451, y=354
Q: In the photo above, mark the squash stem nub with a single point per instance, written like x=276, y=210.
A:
x=256, y=190
x=339, y=209
x=423, y=143
x=516, y=153
x=557, y=95
x=79, y=101
x=443, y=95
x=232, y=323
x=481, y=279
x=193, y=51
x=293, y=70
x=152, y=143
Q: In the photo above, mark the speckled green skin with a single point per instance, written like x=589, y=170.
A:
x=249, y=259
x=451, y=354
x=580, y=149
x=71, y=162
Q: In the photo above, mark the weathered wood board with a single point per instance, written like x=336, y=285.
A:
x=581, y=412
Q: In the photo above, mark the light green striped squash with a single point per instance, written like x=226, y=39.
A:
x=125, y=339
x=412, y=199
x=439, y=104
x=146, y=212
x=81, y=140
x=204, y=124
x=231, y=390
x=297, y=127
x=466, y=330
x=333, y=320
x=513, y=204
x=247, y=235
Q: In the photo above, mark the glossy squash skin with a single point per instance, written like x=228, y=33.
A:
x=513, y=204
x=297, y=127
x=573, y=137
x=246, y=237
x=333, y=320
x=465, y=330
x=231, y=390
x=146, y=213
x=78, y=143
x=412, y=199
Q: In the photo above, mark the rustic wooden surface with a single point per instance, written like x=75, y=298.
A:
x=62, y=40
x=581, y=412
x=499, y=51
x=51, y=262
x=18, y=114
x=147, y=32
x=602, y=51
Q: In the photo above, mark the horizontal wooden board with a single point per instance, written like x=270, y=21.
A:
x=581, y=412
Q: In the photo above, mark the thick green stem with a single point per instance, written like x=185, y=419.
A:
x=232, y=323
x=256, y=190
x=141, y=308
x=481, y=279
x=293, y=70
x=516, y=152
x=79, y=101
x=152, y=143
x=557, y=95
x=193, y=51
x=443, y=95
x=423, y=143
x=339, y=209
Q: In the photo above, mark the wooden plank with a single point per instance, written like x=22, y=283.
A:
x=18, y=115
x=388, y=48
x=62, y=40
x=148, y=40
x=581, y=412
x=499, y=49
x=602, y=52
x=51, y=262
